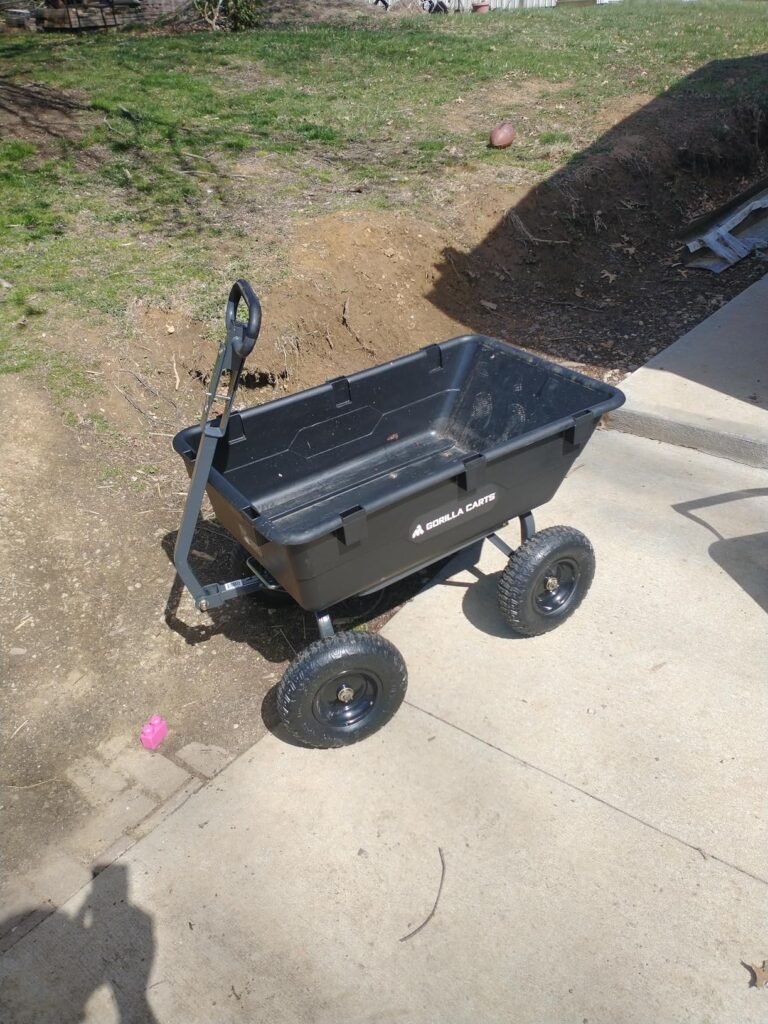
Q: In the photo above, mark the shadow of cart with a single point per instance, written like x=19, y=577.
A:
x=745, y=558
x=273, y=625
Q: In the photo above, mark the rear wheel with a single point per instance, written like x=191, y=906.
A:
x=342, y=689
x=546, y=580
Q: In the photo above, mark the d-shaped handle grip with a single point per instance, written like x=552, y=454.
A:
x=243, y=335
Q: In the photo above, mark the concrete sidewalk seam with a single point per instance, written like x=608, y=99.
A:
x=592, y=796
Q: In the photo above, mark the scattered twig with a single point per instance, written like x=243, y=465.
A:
x=221, y=534
x=194, y=156
x=18, y=583
x=129, y=113
x=112, y=128
x=574, y=305
x=222, y=175
x=131, y=402
x=175, y=371
x=282, y=634
x=23, y=622
x=345, y=323
x=526, y=235
x=33, y=785
x=153, y=390
x=431, y=914
x=19, y=727
x=145, y=383
x=452, y=265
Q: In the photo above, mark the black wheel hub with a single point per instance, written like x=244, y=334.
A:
x=346, y=699
x=556, y=586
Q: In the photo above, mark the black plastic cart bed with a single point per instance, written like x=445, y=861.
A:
x=347, y=487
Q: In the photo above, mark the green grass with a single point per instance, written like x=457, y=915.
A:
x=140, y=202
x=552, y=138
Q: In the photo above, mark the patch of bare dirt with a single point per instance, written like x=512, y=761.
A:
x=41, y=115
x=619, y=108
x=480, y=109
x=355, y=297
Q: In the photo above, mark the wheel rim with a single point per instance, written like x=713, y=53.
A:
x=347, y=699
x=556, y=586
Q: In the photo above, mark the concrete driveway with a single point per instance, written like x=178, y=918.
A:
x=589, y=806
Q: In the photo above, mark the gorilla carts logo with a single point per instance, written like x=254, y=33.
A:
x=452, y=515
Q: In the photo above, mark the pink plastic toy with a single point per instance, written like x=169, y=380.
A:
x=154, y=732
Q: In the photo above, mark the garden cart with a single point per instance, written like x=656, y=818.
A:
x=346, y=488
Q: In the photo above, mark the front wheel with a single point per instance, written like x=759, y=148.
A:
x=546, y=580
x=341, y=690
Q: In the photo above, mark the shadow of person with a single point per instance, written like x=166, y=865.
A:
x=50, y=973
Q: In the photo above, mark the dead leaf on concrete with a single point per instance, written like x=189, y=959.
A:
x=488, y=305
x=759, y=974
x=610, y=278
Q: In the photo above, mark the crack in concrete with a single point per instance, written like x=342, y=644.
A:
x=592, y=796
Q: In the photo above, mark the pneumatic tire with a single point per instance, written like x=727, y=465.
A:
x=545, y=580
x=341, y=690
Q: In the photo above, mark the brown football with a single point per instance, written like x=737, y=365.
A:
x=503, y=135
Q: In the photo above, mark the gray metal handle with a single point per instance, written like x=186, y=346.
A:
x=237, y=344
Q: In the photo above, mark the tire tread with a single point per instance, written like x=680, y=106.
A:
x=523, y=563
x=300, y=674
